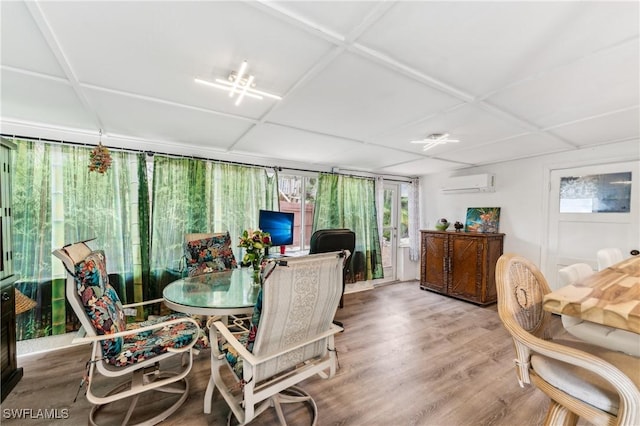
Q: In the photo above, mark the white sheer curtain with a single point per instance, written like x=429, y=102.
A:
x=414, y=220
x=379, y=188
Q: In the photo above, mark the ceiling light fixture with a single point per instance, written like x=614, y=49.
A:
x=435, y=139
x=240, y=83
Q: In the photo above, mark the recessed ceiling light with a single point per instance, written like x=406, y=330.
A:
x=435, y=139
x=239, y=83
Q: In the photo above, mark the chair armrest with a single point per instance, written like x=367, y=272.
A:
x=254, y=360
x=146, y=302
x=92, y=339
x=623, y=385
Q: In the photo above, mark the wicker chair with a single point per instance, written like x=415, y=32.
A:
x=290, y=340
x=581, y=380
x=132, y=358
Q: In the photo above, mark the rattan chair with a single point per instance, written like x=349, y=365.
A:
x=129, y=358
x=581, y=380
x=291, y=339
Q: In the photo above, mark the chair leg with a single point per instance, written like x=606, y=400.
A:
x=293, y=395
x=560, y=416
x=134, y=400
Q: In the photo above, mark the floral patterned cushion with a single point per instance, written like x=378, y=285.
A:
x=246, y=338
x=100, y=300
x=145, y=345
x=103, y=307
x=212, y=254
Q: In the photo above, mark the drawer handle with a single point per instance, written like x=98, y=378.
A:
x=5, y=296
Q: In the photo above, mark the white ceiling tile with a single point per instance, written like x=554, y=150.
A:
x=151, y=120
x=612, y=127
x=370, y=157
x=524, y=146
x=31, y=52
x=469, y=124
x=591, y=27
x=356, y=98
x=593, y=86
x=51, y=102
x=421, y=167
x=474, y=46
x=291, y=144
x=340, y=17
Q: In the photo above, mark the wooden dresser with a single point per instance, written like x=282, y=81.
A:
x=460, y=264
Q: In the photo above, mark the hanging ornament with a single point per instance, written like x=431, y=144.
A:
x=100, y=158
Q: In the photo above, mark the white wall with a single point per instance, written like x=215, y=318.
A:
x=521, y=193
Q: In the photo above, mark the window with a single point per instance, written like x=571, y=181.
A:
x=604, y=193
x=297, y=194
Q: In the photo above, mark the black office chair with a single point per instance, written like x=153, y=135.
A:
x=327, y=240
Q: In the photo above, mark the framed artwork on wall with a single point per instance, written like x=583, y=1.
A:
x=482, y=219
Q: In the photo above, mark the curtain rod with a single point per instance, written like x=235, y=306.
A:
x=152, y=153
x=404, y=179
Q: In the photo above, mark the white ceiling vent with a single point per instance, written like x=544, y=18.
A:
x=484, y=182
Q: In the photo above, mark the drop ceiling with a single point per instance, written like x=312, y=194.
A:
x=359, y=80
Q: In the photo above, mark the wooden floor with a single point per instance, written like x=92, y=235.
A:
x=407, y=357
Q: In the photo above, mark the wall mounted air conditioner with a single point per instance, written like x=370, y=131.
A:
x=484, y=182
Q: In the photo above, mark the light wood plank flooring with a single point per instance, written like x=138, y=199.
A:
x=407, y=357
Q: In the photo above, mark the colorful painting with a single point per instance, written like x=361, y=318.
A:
x=482, y=219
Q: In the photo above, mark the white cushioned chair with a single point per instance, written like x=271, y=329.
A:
x=154, y=355
x=608, y=256
x=598, y=334
x=582, y=380
x=291, y=338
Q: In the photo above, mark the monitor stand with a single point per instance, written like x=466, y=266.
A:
x=268, y=255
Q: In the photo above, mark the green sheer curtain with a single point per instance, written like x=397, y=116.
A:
x=178, y=207
x=349, y=202
x=236, y=195
x=56, y=201
x=193, y=196
x=31, y=202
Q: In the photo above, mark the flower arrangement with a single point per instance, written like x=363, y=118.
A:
x=99, y=159
x=254, y=242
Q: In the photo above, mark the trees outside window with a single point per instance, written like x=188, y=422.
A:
x=297, y=195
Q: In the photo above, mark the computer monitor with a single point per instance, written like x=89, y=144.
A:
x=279, y=225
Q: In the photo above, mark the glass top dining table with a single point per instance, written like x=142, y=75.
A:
x=218, y=293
